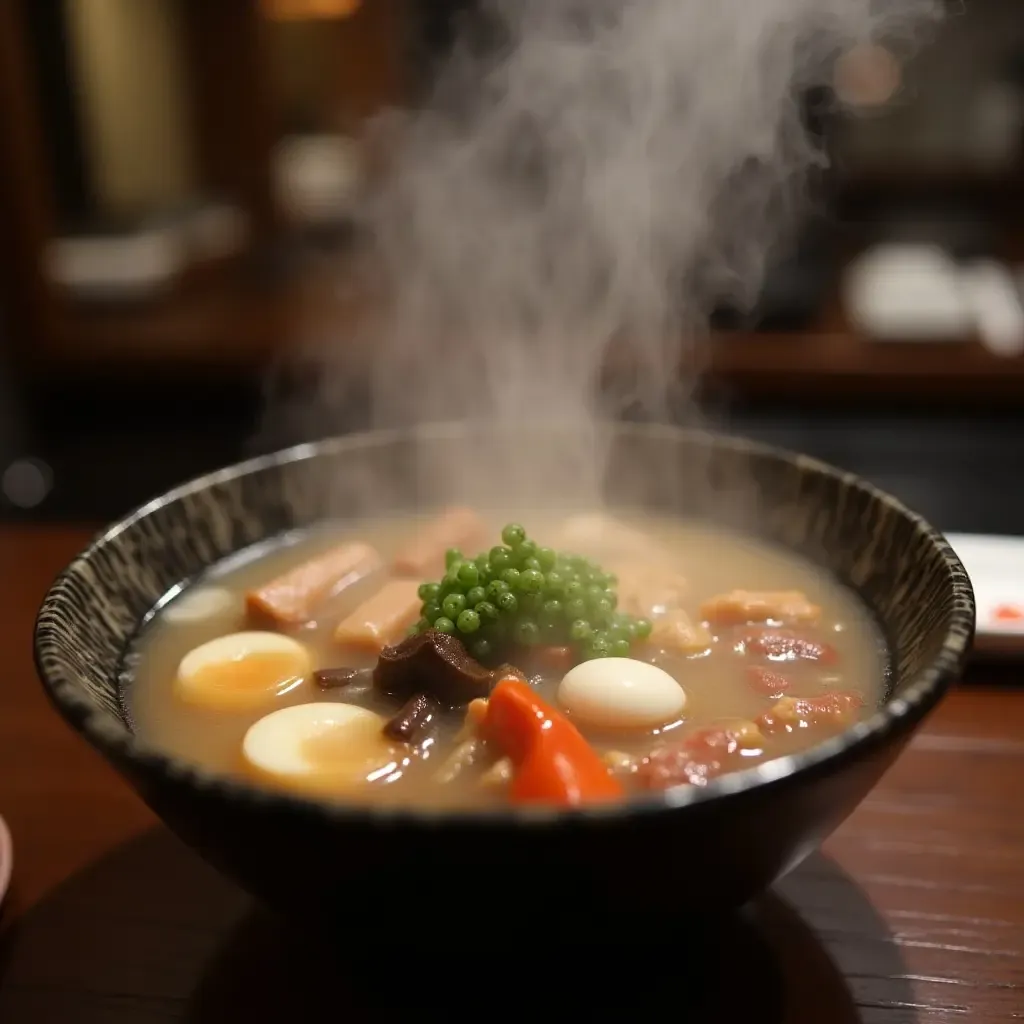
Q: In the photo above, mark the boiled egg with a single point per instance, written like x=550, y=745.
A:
x=621, y=693
x=203, y=605
x=321, y=748
x=242, y=670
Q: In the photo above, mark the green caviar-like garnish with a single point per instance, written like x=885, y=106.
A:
x=524, y=594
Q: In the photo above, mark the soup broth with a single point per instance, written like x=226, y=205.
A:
x=721, y=652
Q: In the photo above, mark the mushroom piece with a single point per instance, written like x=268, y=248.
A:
x=413, y=721
x=354, y=682
x=435, y=664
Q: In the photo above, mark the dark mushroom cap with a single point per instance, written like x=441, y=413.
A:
x=433, y=663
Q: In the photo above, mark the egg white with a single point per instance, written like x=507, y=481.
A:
x=621, y=693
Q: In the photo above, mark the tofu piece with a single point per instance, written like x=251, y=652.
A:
x=740, y=607
x=676, y=631
x=382, y=619
x=423, y=556
x=647, y=589
x=292, y=599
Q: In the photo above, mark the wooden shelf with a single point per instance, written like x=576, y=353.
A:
x=819, y=366
x=231, y=323
x=831, y=360
x=242, y=328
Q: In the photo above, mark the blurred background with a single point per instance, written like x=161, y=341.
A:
x=175, y=184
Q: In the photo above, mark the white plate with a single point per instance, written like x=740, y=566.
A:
x=996, y=568
x=6, y=858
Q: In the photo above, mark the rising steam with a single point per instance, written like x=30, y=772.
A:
x=587, y=180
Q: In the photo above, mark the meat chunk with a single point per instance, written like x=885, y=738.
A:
x=740, y=607
x=765, y=681
x=788, y=714
x=786, y=645
x=700, y=757
x=382, y=619
x=423, y=556
x=647, y=589
x=433, y=663
x=292, y=599
x=675, y=631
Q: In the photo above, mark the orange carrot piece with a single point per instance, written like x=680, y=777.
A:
x=292, y=599
x=423, y=556
x=382, y=619
x=552, y=762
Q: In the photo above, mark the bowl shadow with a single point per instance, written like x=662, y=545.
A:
x=150, y=933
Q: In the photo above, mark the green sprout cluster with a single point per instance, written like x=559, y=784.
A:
x=521, y=594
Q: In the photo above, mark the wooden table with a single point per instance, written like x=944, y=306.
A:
x=914, y=912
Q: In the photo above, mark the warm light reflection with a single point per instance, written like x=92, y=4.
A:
x=867, y=76
x=309, y=10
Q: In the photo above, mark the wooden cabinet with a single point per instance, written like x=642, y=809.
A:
x=237, y=310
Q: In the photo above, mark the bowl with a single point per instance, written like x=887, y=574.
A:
x=688, y=850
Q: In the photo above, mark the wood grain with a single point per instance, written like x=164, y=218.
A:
x=912, y=914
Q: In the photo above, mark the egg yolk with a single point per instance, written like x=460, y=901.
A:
x=243, y=670
x=257, y=673
x=340, y=747
x=321, y=749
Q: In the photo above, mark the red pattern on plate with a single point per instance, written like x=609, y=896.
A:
x=1008, y=613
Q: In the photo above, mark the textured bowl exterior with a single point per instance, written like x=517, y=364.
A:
x=692, y=849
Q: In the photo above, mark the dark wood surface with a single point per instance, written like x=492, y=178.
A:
x=914, y=911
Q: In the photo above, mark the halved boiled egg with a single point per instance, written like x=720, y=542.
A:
x=242, y=670
x=321, y=748
x=621, y=693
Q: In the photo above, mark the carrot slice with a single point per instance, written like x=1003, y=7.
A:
x=551, y=761
x=382, y=619
x=292, y=599
x=424, y=554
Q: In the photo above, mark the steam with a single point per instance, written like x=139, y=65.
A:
x=587, y=180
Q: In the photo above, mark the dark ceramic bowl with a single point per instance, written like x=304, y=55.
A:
x=689, y=849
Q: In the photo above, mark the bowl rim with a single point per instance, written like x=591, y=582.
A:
x=114, y=740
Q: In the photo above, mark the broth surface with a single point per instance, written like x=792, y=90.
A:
x=717, y=684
